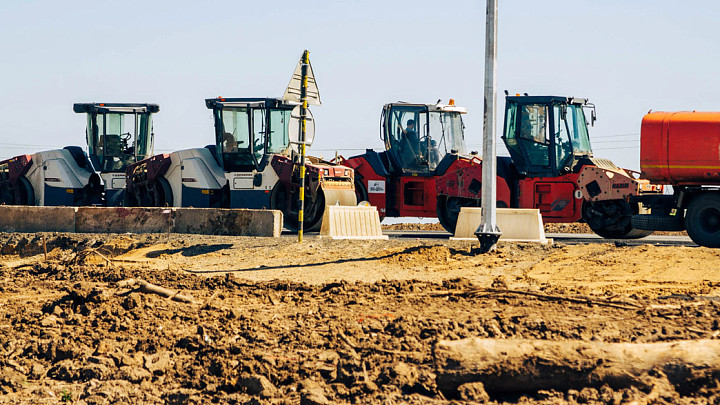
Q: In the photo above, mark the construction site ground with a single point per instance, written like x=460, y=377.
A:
x=270, y=320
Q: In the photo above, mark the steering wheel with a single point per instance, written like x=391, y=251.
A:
x=258, y=146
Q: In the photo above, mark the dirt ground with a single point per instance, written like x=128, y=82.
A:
x=575, y=227
x=262, y=320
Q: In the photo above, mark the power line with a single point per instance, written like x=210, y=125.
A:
x=617, y=136
x=5, y=144
x=626, y=147
x=339, y=149
x=631, y=140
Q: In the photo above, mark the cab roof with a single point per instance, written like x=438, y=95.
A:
x=115, y=108
x=521, y=99
x=431, y=107
x=225, y=102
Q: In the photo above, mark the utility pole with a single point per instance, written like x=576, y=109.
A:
x=488, y=232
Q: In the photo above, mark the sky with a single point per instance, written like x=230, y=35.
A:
x=627, y=57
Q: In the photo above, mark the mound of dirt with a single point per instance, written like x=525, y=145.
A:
x=273, y=321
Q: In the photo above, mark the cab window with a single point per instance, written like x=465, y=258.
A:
x=235, y=139
x=279, y=137
x=534, y=134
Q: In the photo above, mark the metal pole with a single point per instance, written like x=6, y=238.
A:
x=488, y=232
x=303, y=118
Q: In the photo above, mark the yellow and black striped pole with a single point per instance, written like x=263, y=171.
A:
x=303, y=118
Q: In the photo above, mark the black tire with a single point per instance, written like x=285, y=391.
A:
x=314, y=211
x=7, y=195
x=448, y=210
x=443, y=216
x=130, y=199
x=702, y=220
x=280, y=199
x=158, y=195
x=658, y=222
x=361, y=193
x=612, y=219
x=163, y=193
x=24, y=193
x=287, y=202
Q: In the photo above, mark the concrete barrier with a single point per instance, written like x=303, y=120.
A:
x=15, y=218
x=206, y=221
x=516, y=225
x=122, y=220
x=239, y=222
x=351, y=222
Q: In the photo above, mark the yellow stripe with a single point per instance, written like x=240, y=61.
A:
x=681, y=167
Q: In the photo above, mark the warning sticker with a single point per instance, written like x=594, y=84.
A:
x=376, y=187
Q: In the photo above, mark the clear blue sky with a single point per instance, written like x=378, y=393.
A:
x=626, y=56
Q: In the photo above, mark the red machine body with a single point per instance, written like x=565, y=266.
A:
x=681, y=148
x=417, y=195
x=557, y=198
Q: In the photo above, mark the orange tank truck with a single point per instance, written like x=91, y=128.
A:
x=682, y=150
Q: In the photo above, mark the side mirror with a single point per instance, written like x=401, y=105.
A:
x=563, y=112
x=592, y=117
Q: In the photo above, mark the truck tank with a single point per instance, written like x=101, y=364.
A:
x=681, y=148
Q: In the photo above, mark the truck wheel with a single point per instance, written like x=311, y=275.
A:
x=658, y=222
x=314, y=211
x=702, y=220
x=360, y=191
x=130, y=199
x=612, y=219
x=448, y=210
x=6, y=195
x=161, y=193
x=285, y=201
x=24, y=193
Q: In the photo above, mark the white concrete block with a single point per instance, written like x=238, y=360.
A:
x=516, y=225
x=351, y=222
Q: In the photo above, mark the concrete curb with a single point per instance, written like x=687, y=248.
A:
x=16, y=218
x=229, y=221
x=122, y=220
x=205, y=221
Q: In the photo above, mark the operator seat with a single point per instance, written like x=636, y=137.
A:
x=113, y=145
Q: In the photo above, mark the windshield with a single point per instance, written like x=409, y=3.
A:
x=418, y=139
x=246, y=134
x=446, y=134
x=578, y=130
x=279, y=138
x=571, y=134
x=116, y=140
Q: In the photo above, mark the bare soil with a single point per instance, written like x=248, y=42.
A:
x=573, y=227
x=274, y=321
